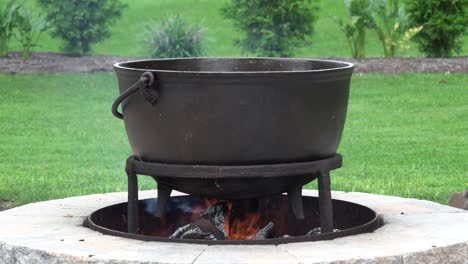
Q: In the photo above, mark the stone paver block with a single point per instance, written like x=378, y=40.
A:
x=152, y=252
x=230, y=254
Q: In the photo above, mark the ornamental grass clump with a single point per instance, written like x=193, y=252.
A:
x=7, y=22
x=386, y=17
x=173, y=37
x=360, y=19
x=28, y=30
x=390, y=21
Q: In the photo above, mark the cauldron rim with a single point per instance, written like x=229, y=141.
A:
x=340, y=66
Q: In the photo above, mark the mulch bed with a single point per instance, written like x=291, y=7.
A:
x=4, y=204
x=414, y=65
x=46, y=62
x=42, y=62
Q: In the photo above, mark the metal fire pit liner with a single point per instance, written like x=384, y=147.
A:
x=373, y=221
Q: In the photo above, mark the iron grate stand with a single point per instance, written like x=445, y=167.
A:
x=318, y=169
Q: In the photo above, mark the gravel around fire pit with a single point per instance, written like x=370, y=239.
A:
x=55, y=62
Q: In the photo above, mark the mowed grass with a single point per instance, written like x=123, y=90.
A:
x=128, y=33
x=405, y=135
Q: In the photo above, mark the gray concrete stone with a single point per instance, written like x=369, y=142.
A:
x=389, y=204
x=394, y=205
x=231, y=254
x=80, y=246
x=24, y=255
x=7, y=254
x=52, y=232
x=403, y=234
x=457, y=253
x=376, y=260
x=152, y=252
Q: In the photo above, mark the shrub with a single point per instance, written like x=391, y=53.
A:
x=444, y=21
x=7, y=20
x=81, y=23
x=359, y=13
x=29, y=30
x=272, y=27
x=172, y=38
x=390, y=21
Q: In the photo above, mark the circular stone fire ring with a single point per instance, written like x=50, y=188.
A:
x=415, y=231
x=350, y=219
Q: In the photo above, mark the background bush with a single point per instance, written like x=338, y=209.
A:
x=173, y=37
x=272, y=27
x=81, y=23
x=444, y=22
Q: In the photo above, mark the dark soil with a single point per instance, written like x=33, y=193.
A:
x=55, y=62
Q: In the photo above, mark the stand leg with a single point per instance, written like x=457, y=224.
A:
x=295, y=202
x=263, y=203
x=325, y=203
x=132, y=211
x=164, y=193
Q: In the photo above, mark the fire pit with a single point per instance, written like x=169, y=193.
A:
x=236, y=134
x=192, y=219
x=415, y=231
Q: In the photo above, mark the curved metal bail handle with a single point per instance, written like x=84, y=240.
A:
x=146, y=81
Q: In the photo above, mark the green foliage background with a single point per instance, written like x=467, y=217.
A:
x=405, y=134
x=79, y=24
x=272, y=28
x=127, y=33
x=445, y=22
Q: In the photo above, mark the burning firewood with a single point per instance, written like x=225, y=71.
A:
x=210, y=225
x=217, y=214
x=200, y=229
x=266, y=232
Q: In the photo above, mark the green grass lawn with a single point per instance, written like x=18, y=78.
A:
x=127, y=33
x=405, y=135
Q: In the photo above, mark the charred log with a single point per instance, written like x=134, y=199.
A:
x=217, y=214
x=266, y=232
x=318, y=231
x=200, y=229
x=210, y=225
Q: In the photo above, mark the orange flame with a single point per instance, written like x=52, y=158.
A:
x=238, y=228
